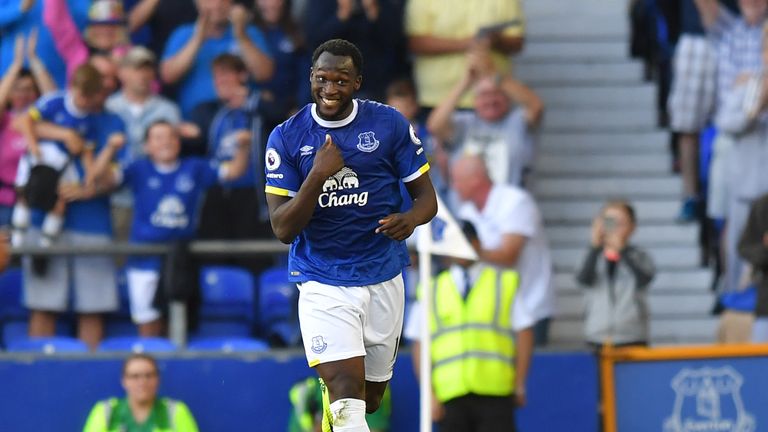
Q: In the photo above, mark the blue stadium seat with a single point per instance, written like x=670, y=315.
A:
x=278, y=306
x=227, y=293
x=227, y=344
x=18, y=330
x=137, y=344
x=11, y=292
x=49, y=345
x=116, y=327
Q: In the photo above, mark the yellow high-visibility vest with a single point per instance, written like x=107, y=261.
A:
x=473, y=345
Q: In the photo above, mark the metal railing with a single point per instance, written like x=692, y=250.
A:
x=177, y=317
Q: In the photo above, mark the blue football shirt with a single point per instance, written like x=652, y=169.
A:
x=339, y=246
x=58, y=108
x=166, y=201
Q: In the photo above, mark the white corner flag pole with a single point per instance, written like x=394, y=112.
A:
x=425, y=366
x=442, y=236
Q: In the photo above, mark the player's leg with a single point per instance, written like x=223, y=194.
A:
x=381, y=335
x=331, y=327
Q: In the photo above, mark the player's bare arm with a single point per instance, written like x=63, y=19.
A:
x=290, y=215
x=399, y=226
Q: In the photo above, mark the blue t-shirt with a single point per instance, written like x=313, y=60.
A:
x=339, y=246
x=197, y=85
x=58, y=108
x=93, y=216
x=166, y=202
x=222, y=142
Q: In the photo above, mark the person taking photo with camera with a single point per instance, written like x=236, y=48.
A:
x=615, y=277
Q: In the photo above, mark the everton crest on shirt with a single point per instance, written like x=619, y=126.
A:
x=339, y=245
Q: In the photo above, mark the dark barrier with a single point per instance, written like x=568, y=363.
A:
x=241, y=393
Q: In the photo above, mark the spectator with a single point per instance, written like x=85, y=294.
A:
x=107, y=67
x=192, y=47
x=615, y=277
x=47, y=164
x=440, y=33
x=479, y=371
x=401, y=95
x=738, y=42
x=140, y=409
x=375, y=26
x=511, y=236
x=234, y=209
x=753, y=246
x=19, y=88
x=159, y=18
x=168, y=192
x=289, y=89
x=20, y=18
x=692, y=98
x=744, y=116
x=105, y=34
x=500, y=127
x=138, y=106
x=86, y=223
x=306, y=414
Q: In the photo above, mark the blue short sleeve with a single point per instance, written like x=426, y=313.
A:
x=258, y=39
x=176, y=42
x=47, y=107
x=207, y=171
x=283, y=176
x=411, y=160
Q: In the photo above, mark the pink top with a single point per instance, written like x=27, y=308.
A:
x=12, y=147
x=66, y=36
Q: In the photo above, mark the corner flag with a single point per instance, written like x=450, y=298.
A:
x=446, y=238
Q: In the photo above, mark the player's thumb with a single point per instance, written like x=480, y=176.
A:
x=328, y=140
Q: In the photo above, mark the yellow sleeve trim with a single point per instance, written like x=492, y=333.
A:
x=278, y=191
x=314, y=363
x=424, y=168
x=35, y=114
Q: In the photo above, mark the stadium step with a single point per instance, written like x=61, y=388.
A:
x=564, y=51
x=660, y=305
x=664, y=257
x=675, y=330
x=605, y=187
x=651, y=164
x=603, y=143
x=581, y=210
x=599, y=119
x=590, y=95
x=579, y=72
x=647, y=235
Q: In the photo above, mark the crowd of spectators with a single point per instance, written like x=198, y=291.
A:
x=140, y=100
x=710, y=60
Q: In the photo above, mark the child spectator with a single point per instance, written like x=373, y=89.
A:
x=19, y=88
x=168, y=192
x=47, y=164
x=615, y=276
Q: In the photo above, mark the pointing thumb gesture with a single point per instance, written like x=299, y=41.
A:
x=328, y=159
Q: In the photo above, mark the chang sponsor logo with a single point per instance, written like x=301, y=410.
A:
x=170, y=213
x=333, y=195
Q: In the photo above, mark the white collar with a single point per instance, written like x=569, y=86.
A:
x=69, y=104
x=335, y=123
x=165, y=168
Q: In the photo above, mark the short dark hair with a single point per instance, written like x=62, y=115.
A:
x=624, y=205
x=340, y=47
x=157, y=123
x=140, y=356
x=87, y=79
x=230, y=62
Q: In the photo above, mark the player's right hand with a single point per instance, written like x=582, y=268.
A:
x=328, y=159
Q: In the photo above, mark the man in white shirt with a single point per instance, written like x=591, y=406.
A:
x=511, y=233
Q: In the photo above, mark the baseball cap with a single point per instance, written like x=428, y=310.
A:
x=106, y=12
x=138, y=56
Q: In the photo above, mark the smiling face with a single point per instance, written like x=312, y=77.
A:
x=491, y=104
x=163, y=145
x=334, y=82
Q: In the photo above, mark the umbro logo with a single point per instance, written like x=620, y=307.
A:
x=306, y=150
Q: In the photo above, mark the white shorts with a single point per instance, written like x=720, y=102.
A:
x=142, y=286
x=51, y=155
x=342, y=322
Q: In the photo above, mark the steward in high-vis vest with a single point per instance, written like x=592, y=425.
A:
x=140, y=410
x=482, y=341
x=114, y=415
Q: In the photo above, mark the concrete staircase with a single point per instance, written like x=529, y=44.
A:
x=600, y=141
